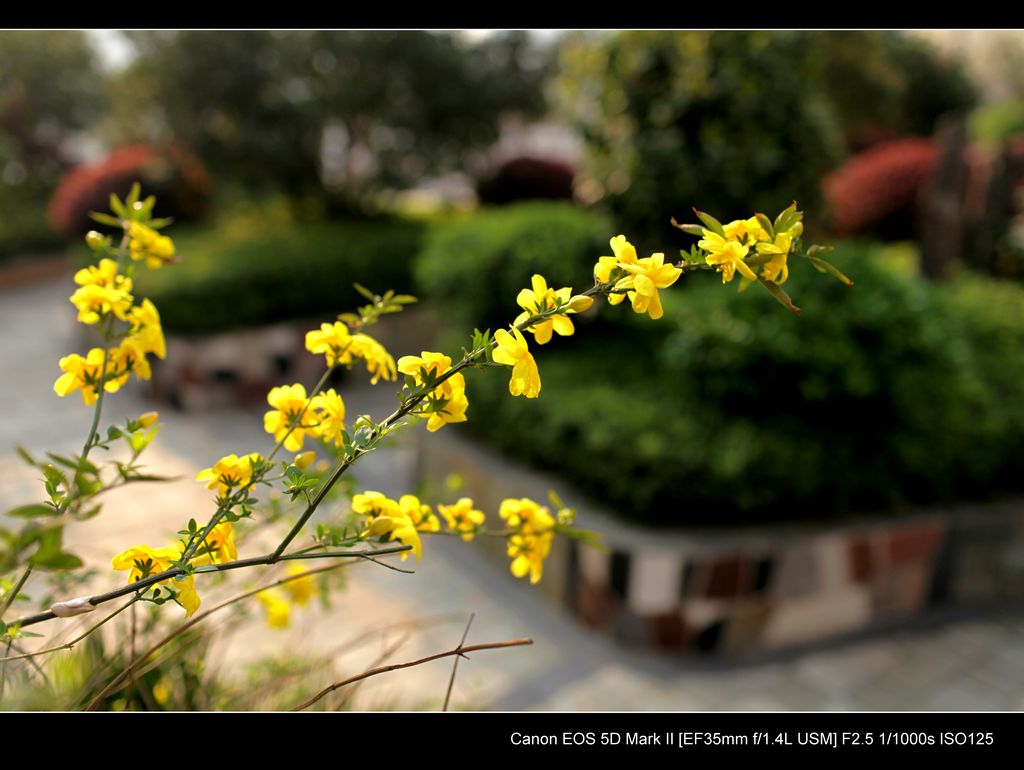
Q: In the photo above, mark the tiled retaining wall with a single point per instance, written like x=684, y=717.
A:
x=752, y=590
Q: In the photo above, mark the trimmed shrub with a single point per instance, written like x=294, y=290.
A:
x=894, y=392
x=242, y=274
x=175, y=176
x=877, y=190
x=485, y=259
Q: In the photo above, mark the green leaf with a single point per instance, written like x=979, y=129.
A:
x=823, y=266
x=713, y=224
x=365, y=292
x=32, y=511
x=777, y=292
x=404, y=299
x=766, y=223
x=691, y=229
x=105, y=219
x=56, y=561
x=117, y=207
x=789, y=217
x=24, y=455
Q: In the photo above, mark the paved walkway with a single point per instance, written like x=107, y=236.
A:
x=968, y=664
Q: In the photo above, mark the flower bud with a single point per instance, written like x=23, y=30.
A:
x=304, y=460
x=148, y=419
x=579, y=303
x=95, y=240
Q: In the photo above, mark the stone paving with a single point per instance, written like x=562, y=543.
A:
x=967, y=663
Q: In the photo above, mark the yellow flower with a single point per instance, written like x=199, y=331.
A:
x=528, y=554
x=333, y=340
x=290, y=413
x=648, y=275
x=462, y=517
x=625, y=254
x=379, y=362
x=330, y=413
x=534, y=531
x=275, y=605
x=127, y=358
x=154, y=561
x=303, y=589
x=105, y=275
x=540, y=299
x=386, y=517
x=84, y=373
x=747, y=231
x=727, y=256
x=229, y=472
x=95, y=302
x=219, y=546
x=776, y=269
x=147, y=333
x=419, y=514
x=146, y=243
x=513, y=351
x=447, y=402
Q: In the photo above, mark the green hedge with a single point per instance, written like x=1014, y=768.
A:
x=890, y=393
x=24, y=229
x=484, y=259
x=234, y=276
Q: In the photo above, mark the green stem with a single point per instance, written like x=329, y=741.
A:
x=9, y=600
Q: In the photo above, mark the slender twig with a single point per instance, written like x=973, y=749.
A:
x=77, y=639
x=396, y=666
x=387, y=653
x=9, y=599
x=268, y=559
x=455, y=665
x=113, y=686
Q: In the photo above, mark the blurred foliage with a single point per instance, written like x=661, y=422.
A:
x=885, y=84
x=891, y=393
x=256, y=105
x=483, y=260
x=264, y=266
x=878, y=190
x=990, y=124
x=50, y=87
x=741, y=120
x=735, y=120
x=24, y=228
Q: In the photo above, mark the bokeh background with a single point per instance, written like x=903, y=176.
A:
x=802, y=512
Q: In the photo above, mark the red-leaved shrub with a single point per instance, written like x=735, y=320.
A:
x=174, y=175
x=877, y=190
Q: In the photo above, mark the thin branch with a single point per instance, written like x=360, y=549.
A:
x=396, y=666
x=387, y=653
x=268, y=559
x=9, y=599
x=113, y=686
x=77, y=639
x=455, y=665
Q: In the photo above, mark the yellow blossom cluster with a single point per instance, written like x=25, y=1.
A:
x=401, y=519
x=729, y=250
x=295, y=415
x=533, y=530
x=637, y=279
x=218, y=547
x=277, y=602
x=340, y=346
x=447, y=402
x=105, y=297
